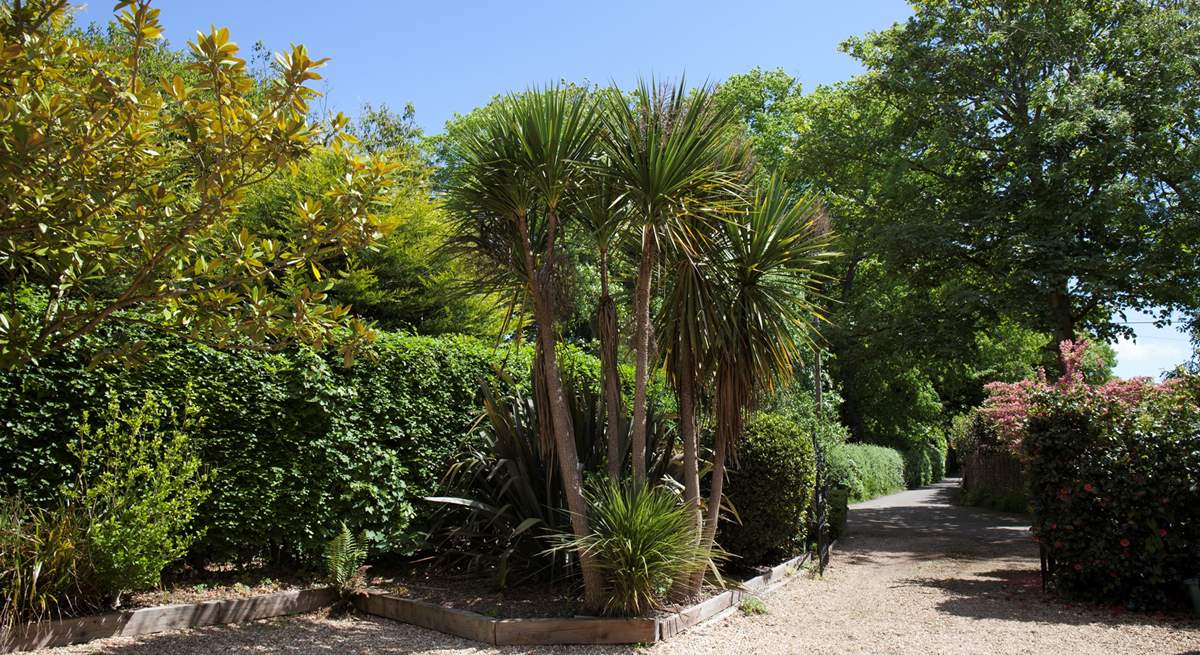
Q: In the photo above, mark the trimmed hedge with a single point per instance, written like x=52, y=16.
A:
x=866, y=470
x=925, y=461
x=771, y=488
x=294, y=441
x=1115, y=487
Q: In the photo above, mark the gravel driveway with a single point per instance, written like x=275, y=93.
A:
x=917, y=574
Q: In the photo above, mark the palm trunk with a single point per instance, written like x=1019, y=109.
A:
x=614, y=408
x=691, y=458
x=560, y=418
x=642, y=355
x=729, y=427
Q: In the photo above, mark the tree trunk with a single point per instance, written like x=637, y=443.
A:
x=715, y=494
x=682, y=587
x=817, y=387
x=729, y=427
x=614, y=407
x=1063, y=319
x=560, y=417
x=641, y=347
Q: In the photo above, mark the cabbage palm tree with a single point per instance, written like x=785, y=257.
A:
x=603, y=214
x=663, y=148
x=524, y=163
x=766, y=292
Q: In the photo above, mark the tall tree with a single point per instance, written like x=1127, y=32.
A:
x=119, y=194
x=767, y=291
x=663, y=147
x=1042, y=153
x=516, y=172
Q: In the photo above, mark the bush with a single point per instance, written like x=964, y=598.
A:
x=141, y=484
x=866, y=470
x=925, y=460
x=642, y=540
x=771, y=489
x=294, y=441
x=1114, y=481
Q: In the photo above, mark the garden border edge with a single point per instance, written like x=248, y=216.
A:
x=148, y=620
x=573, y=630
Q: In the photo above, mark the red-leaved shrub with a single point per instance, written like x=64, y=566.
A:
x=1114, y=473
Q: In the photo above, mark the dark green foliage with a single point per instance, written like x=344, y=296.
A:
x=642, y=540
x=1114, y=488
x=866, y=470
x=771, y=488
x=294, y=443
x=140, y=484
x=507, y=504
x=925, y=460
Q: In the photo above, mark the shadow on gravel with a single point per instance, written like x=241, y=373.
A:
x=1016, y=595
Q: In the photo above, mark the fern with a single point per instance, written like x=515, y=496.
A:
x=344, y=556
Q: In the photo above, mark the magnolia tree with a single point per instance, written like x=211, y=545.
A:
x=120, y=192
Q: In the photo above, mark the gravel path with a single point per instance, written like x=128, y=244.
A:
x=916, y=574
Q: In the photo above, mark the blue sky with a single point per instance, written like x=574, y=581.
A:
x=451, y=56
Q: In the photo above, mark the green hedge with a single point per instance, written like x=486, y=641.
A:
x=1114, y=488
x=866, y=470
x=771, y=488
x=925, y=460
x=295, y=441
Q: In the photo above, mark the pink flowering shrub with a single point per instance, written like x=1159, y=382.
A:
x=1114, y=480
x=1008, y=404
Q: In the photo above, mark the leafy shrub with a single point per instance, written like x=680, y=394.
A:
x=294, y=441
x=642, y=540
x=925, y=460
x=771, y=489
x=44, y=568
x=867, y=470
x=344, y=557
x=508, y=504
x=141, y=484
x=1114, y=484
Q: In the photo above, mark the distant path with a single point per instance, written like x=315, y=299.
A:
x=916, y=574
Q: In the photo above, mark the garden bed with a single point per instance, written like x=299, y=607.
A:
x=462, y=606
x=443, y=616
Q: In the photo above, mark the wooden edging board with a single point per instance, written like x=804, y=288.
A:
x=577, y=630
x=166, y=617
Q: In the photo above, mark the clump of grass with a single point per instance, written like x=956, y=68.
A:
x=642, y=541
x=752, y=605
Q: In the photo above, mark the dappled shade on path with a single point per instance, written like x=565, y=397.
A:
x=916, y=573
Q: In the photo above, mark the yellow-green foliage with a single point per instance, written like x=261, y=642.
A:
x=141, y=485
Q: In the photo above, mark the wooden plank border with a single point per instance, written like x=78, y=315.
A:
x=577, y=630
x=167, y=617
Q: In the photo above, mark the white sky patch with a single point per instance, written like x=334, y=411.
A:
x=1155, y=351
